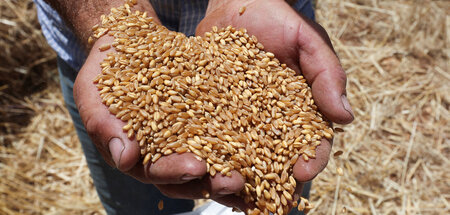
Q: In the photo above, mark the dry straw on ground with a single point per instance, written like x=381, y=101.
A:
x=42, y=168
x=395, y=158
x=24, y=59
x=395, y=154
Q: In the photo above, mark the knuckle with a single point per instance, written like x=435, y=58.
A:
x=309, y=175
x=341, y=76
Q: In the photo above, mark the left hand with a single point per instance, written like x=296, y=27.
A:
x=301, y=44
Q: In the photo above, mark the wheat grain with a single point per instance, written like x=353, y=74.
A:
x=220, y=97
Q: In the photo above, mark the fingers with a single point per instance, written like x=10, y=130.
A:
x=176, y=168
x=307, y=170
x=103, y=127
x=223, y=185
x=171, y=169
x=220, y=188
x=322, y=69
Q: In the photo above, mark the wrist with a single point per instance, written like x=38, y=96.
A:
x=81, y=16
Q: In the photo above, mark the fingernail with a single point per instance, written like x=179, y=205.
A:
x=187, y=177
x=347, y=106
x=116, y=148
x=225, y=191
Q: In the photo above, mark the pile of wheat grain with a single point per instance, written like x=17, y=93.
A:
x=221, y=97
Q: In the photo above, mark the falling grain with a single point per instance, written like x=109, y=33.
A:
x=160, y=205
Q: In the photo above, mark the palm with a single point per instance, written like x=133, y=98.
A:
x=276, y=25
x=277, y=31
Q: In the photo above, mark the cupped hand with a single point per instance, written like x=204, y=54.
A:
x=301, y=44
x=176, y=175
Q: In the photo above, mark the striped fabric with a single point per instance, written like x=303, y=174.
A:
x=59, y=36
x=177, y=15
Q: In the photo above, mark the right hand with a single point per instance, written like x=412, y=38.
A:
x=176, y=175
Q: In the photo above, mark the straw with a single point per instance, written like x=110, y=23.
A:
x=396, y=152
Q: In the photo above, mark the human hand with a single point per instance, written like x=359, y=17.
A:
x=176, y=175
x=179, y=176
x=305, y=47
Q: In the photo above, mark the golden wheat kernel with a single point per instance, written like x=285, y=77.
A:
x=130, y=133
x=258, y=191
x=160, y=205
x=338, y=153
x=205, y=194
x=225, y=171
x=146, y=158
x=327, y=135
x=104, y=47
x=167, y=151
x=337, y=129
x=271, y=207
x=242, y=10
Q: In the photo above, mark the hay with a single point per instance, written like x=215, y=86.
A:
x=24, y=61
x=395, y=155
x=396, y=152
x=42, y=168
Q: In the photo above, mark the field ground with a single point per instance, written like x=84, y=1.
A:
x=395, y=155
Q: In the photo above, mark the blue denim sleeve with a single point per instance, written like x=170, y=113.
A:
x=59, y=36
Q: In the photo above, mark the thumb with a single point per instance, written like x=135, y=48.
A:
x=104, y=128
x=322, y=69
